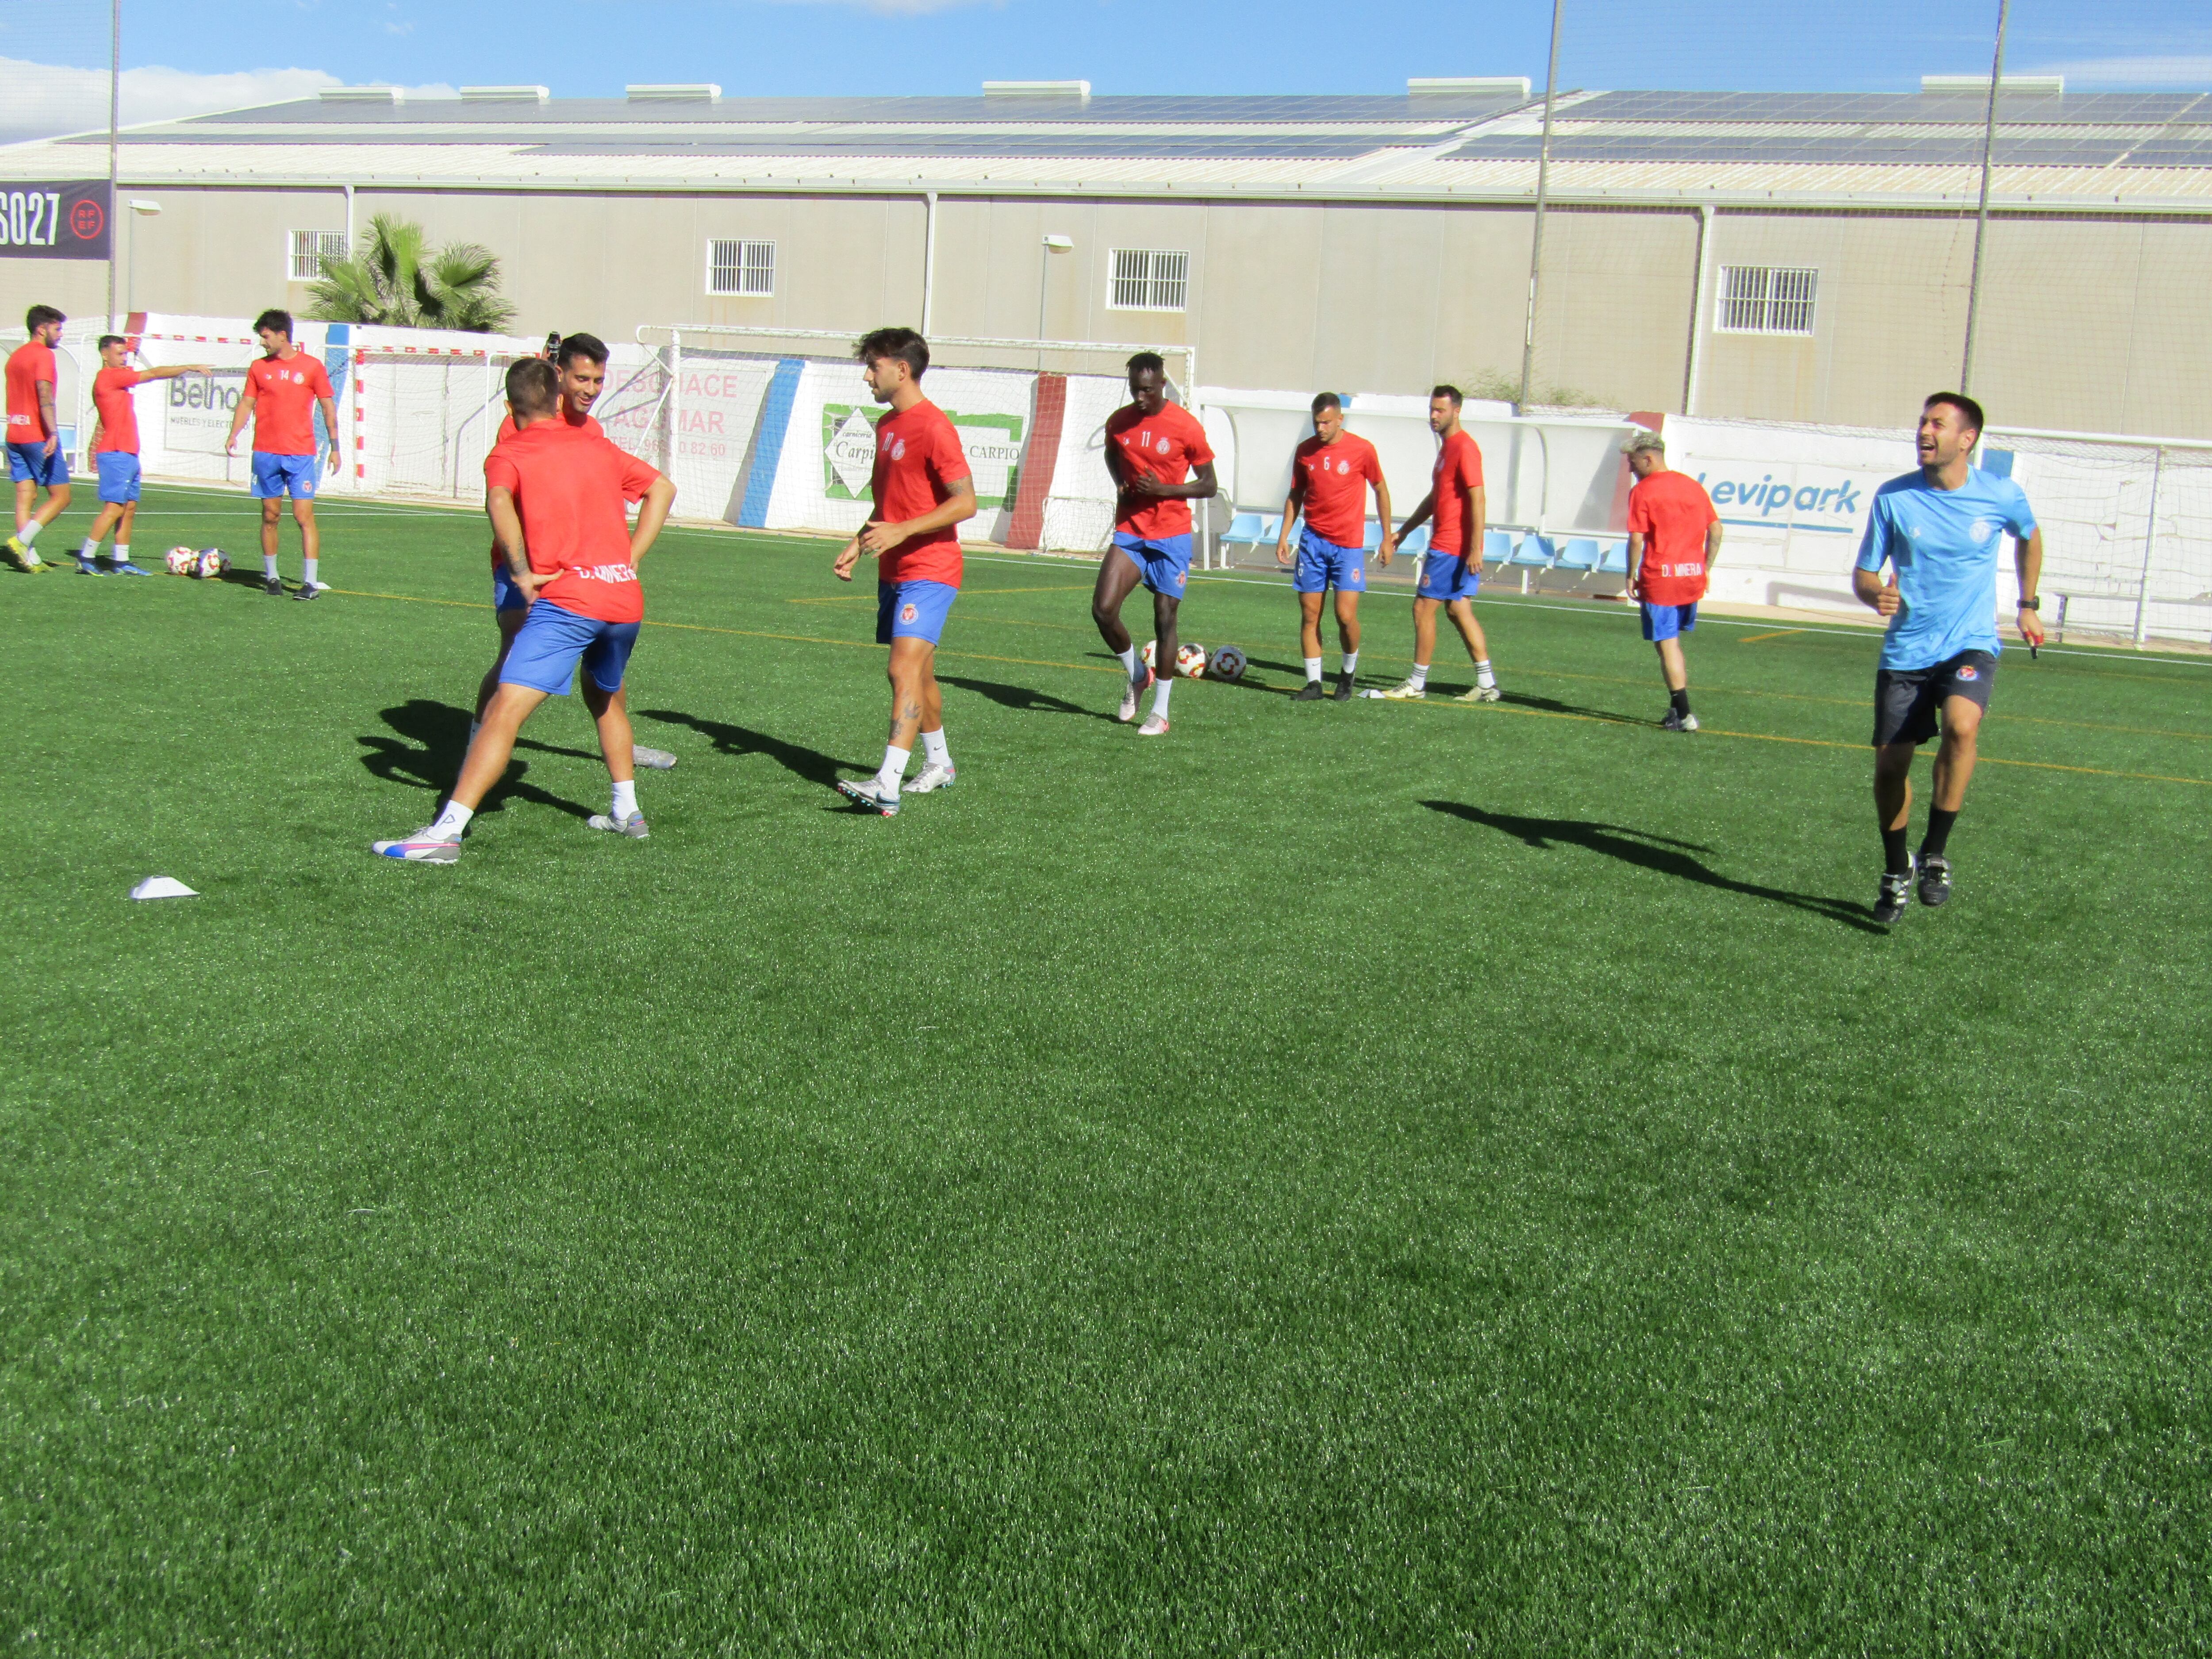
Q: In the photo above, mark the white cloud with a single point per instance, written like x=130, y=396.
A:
x=2191, y=71
x=41, y=99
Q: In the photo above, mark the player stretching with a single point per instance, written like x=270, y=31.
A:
x=557, y=498
x=1329, y=475
x=34, y=441
x=1152, y=447
x=1938, y=530
x=114, y=451
x=581, y=360
x=922, y=488
x=1451, y=570
x=283, y=391
x=1674, y=541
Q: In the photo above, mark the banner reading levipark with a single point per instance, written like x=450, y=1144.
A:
x=66, y=220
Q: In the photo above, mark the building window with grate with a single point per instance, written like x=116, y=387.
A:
x=306, y=250
x=1766, y=299
x=741, y=268
x=1150, y=279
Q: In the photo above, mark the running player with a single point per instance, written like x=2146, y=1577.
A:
x=1451, y=570
x=922, y=488
x=557, y=498
x=1329, y=475
x=1674, y=541
x=1938, y=530
x=283, y=391
x=114, y=451
x=1153, y=447
x=35, y=460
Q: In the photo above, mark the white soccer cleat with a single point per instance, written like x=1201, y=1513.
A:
x=869, y=793
x=1130, y=693
x=1481, y=694
x=1406, y=691
x=938, y=774
x=1154, y=725
x=421, y=848
x=655, y=760
x=633, y=826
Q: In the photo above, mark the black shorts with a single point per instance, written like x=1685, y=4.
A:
x=1906, y=701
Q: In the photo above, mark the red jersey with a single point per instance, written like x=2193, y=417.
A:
x=31, y=362
x=1169, y=445
x=1671, y=511
x=919, y=458
x=507, y=431
x=1333, y=479
x=571, y=489
x=119, y=414
x=284, y=394
x=1458, y=469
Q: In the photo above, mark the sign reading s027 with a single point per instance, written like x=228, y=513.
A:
x=69, y=220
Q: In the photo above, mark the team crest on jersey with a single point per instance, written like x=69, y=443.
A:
x=1969, y=673
x=1162, y=443
x=898, y=451
x=1343, y=467
x=910, y=612
x=1982, y=530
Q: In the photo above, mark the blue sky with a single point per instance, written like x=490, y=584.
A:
x=215, y=48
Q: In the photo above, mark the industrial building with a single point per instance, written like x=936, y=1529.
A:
x=1793, y=258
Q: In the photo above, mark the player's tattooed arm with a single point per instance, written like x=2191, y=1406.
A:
x=46, y=410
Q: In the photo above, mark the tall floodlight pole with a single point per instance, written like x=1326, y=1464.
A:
x=1543, y=187
x=114, y=120
x=1982, y=214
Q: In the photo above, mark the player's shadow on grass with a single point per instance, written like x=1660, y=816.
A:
x=1662, y=854
x=435, y=738
x=1580, y=711
x=1022, y=699
x=809, y=763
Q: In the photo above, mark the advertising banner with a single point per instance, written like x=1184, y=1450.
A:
x=197, y=412
x=67, y=220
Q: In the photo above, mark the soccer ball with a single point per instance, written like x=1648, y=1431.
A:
x=182, y=561
x=1228, y=664
x=1190, y=661
x=210, y=562
x=1147, y=653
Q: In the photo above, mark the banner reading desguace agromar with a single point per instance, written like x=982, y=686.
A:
x=69, y=219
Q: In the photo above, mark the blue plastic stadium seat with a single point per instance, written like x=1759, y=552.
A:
x=1373, y=539
x=1496, y=546
x=1243, y=527
x=1615, y=562
x=1416, y=542
x=1533, y=550
x=1579, y=554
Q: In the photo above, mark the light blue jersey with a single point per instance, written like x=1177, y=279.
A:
x=1944, y=544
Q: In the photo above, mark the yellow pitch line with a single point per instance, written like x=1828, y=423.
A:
x=1778, y=634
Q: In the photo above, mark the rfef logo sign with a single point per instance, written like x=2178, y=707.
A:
x=69, y=219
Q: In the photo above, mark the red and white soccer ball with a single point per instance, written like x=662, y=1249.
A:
x=1190, y=661
x=1148, y=653
x=182, y=561
x=1228, y=664
x=210, y=562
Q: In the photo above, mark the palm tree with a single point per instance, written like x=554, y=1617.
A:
x=394, y=278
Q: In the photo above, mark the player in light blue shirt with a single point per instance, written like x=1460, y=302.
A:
x=1938, y=530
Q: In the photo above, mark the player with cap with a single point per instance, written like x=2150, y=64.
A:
x=283, y=389
x=1451, y=568
x=35, y=460
x=1673, y=540
x=1330, y=472
x=114, y=452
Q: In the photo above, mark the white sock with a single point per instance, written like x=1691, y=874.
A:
x=625, y=799
x=1160, y=698
x=1482, y=674
x=29, y=532
x=1130, y=666
x=268, y=565
x=123, y=553
x=894, y=769
x=1313, y=668
x=1419, y=677
x=91, y=546
x=310, y=567
x=933, y=750
x=1352, y=662
x=450, y=822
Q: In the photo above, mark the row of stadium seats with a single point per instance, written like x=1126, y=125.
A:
x=1583, y=555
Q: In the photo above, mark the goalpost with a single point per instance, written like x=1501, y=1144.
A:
x=773, y=428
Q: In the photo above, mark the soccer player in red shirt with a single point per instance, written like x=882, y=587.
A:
x=922, y=488
x=114, y=451
x=283, y=391
x=1329, y=475
x=558, y=499
x=1161, y=463
x=1674, y=537
x=1451, y=570
x=34, y=440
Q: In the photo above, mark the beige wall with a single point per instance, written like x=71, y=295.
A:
x=2087, y=323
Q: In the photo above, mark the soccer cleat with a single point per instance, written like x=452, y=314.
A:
x=1896, y=893
x=1675, y=722
x=306, y=589
x=1481, y=694
x=1935, y=879
x=632, y=826
x=938, y=774
x=124, y=568
x=1406, y=691
x=273, y=586
x=866, y=792
x=1154, y=725
x=90, y=567
x=21, y=556
x=421, y=848
x=1310, y=692
x=655, y=760
x=1131, y=692
x=1344, y=691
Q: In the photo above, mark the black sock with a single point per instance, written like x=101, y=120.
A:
x=1939, y=832
x=1680, y=700
x=1894, y=857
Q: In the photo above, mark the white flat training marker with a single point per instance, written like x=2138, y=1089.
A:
x=162, y=887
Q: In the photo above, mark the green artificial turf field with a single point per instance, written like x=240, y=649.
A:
x=1342, y=1180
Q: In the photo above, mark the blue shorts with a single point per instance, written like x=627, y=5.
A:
x=119, y=477
x=912, y=611
x=1667, y=622
x=296, y=475
x=1324, y=565
x=1164, y=562
x=505, y=595
x=30, y=464
x=1445, y=576
x=551, y=641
